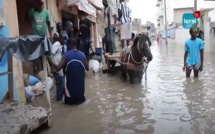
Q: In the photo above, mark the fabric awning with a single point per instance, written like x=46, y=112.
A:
x=97, y=3
x=83, y=5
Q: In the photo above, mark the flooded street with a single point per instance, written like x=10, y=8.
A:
x=167, y=103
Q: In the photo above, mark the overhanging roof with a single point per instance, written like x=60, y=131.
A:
x=83, y=5
x=206, y=9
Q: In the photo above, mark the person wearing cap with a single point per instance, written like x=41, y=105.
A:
x=40, y=20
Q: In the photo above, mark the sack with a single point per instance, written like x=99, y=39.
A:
x=94, y=65
x=29, y=93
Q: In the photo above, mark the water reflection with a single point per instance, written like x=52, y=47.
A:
x=168, y=104
x=198, y=106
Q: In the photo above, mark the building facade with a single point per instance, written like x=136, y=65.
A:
x=178, y=13
x=14, y=23
x=136, y=26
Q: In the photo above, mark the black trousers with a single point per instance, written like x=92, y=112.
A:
x=84, y=46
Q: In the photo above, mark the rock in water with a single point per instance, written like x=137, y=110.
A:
x=94, y=65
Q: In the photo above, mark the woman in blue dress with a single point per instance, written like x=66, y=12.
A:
x=74, y=64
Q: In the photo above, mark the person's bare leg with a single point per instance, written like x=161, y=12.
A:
x=188, y=72
x=122, y=43
x=127, y=42
x=196, y=73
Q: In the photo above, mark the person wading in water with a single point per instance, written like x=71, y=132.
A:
x=74, y=63
x=194, y=54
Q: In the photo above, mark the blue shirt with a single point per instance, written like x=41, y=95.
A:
x=33, y=80
x=193, y=48
x=67, y=36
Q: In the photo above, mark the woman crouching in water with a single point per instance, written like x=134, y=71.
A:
x=74, y=64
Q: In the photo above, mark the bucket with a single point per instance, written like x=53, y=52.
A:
x=99, y=50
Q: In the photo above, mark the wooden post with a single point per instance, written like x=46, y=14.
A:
x=10, y=76
x=45, y=78
x=19, y=80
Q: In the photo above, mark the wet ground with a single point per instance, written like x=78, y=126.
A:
x=167, y=103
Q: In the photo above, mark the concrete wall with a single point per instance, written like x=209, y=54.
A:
x=209, y=39
x=181, y=35
x=11, y=30
x=178, y=14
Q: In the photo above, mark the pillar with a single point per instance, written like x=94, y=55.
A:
x=12, y=23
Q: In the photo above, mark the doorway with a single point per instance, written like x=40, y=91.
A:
x=25, y=28
x=23, y=7
x=66, y=16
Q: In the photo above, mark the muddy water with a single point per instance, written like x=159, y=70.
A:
x=167, y=103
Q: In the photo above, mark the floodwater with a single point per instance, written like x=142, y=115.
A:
x=167, y=103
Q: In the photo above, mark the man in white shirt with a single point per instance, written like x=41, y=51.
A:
x=126, y=22
x=110, y=20
x=57, y=53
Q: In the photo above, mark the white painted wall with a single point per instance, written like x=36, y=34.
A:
x=209, y=39
x=189, y=3
x=181, y=35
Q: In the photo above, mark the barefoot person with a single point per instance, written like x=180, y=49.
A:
x=110, y=20
x=193, y=57
x=74, y=63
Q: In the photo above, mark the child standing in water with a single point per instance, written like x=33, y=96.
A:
x=57, y=52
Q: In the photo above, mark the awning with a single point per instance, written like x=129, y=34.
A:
x=98, y=3
x=83, y=5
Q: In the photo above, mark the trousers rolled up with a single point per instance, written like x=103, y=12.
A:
x=111, y=38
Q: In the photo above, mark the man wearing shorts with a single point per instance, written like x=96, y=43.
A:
x=126, y=24
x=193, y=57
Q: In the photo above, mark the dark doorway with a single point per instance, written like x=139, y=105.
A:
x=70, y=17
x=23, y=7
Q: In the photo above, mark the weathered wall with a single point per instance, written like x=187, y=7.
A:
x=54, y=11
x=3, y=63
x=12, y=25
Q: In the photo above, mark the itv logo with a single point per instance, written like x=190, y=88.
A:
x=189, y=20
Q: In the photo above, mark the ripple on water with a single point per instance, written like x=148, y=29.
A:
x=142, y=127
x=166, y=99
x=124, y=131
x=126, y=122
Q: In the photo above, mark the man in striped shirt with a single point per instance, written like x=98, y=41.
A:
x=126, y=24
x=110, y=20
